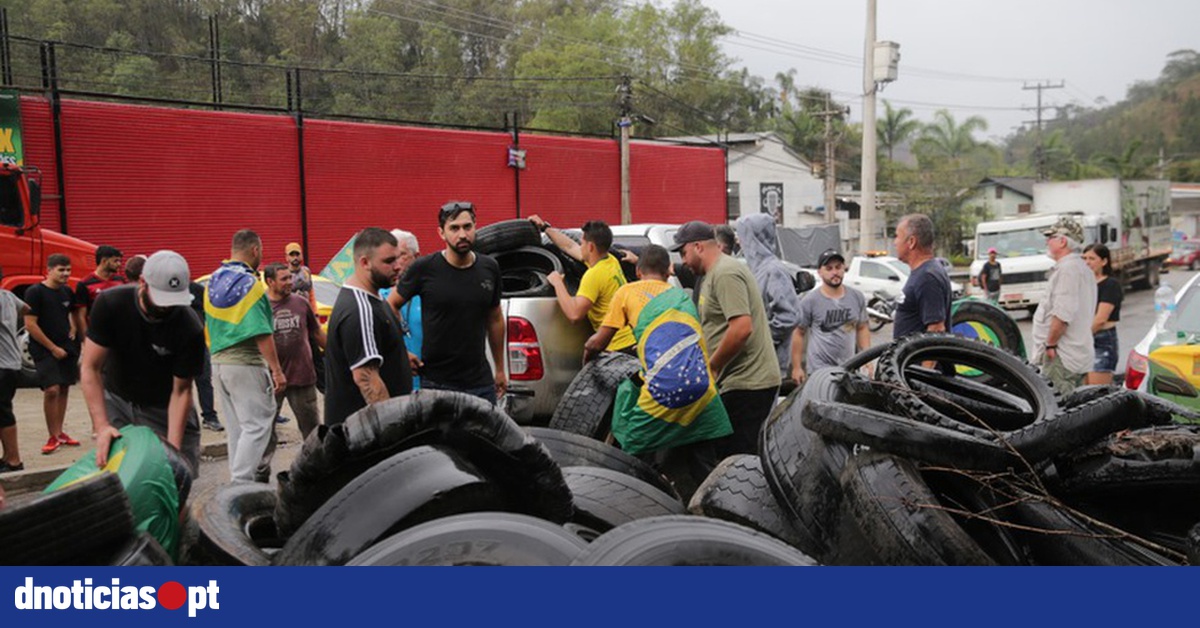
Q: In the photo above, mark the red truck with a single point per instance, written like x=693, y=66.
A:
x=25, y=245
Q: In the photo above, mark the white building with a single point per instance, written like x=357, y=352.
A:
x=766, y=176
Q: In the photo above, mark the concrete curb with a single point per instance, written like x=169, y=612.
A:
x=33, y=480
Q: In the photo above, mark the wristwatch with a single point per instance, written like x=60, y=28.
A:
x=545, y=226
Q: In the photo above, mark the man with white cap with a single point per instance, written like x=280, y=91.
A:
x=144, y=348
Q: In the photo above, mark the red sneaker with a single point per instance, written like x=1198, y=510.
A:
x=51, y=445
x=67, y=440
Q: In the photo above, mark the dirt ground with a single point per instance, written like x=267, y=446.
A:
x=32, y=433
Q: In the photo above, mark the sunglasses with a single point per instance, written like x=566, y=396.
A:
x=452, y=209
x=293, y=253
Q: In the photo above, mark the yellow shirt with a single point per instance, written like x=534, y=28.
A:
x=629, y=300
x=598, y=285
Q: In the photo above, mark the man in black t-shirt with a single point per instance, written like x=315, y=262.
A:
x=144, y=348
x=54, y=323
x=924, y=306
x=990, y=277
x=460, y=307
x=365, y=357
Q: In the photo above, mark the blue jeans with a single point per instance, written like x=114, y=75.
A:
x=1105, y=343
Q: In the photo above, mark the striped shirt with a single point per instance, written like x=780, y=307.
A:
x=363, y=332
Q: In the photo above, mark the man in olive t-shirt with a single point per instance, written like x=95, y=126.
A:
x=734, y=323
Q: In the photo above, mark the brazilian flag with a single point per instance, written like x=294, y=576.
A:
x=236, y=306
x=677, y=402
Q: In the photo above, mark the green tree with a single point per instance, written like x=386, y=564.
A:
x=896, y=127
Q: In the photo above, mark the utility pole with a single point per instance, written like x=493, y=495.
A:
x=830, y=157
x=1041, y=153
x=625, y=124
x=867, y=212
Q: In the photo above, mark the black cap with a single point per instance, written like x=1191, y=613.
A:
x=828, y=256
x=694, y=231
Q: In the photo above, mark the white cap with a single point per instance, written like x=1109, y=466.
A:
x=166, y=275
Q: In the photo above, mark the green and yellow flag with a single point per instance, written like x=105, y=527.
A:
x=236, y=306
x=678, y=403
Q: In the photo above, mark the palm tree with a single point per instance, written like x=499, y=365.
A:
x=945, y=137
x=896, y=127
x=1128, y=165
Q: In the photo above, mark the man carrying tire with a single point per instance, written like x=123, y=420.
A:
x=598, y=285
x=833, y=321
x=142, y=352
x=365, y=357
x=734, y=321
x=675, y=406
x=460, y=308
x=1062, y=332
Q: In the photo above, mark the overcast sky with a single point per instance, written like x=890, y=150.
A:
x=964, y=54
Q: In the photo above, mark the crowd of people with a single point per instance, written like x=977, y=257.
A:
x=138, y=339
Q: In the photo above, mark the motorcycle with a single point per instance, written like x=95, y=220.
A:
x=879, y=310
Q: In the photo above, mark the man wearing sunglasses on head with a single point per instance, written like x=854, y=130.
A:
x=302, y=281
x=460, y=300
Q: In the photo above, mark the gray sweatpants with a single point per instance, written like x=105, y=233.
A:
x=248, y=404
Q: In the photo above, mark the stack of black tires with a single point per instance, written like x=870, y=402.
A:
x=526, y=257
x=956, y=452
x=443, y=478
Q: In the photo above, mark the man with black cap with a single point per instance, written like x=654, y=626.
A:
x=833, y=321
x=143, y=349
x=734, y=322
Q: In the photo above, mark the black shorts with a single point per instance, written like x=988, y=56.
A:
x=52, y=372
x=8, y=389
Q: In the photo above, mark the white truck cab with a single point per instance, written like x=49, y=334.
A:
x=1021, y=250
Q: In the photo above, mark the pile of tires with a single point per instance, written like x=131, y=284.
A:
x=126, y=513
x=922, y=465
x=527, y=257
x=444, y=478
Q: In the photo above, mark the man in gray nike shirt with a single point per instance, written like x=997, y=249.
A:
x=833, y=321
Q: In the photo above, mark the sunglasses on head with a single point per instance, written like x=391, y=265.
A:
x=452, y=209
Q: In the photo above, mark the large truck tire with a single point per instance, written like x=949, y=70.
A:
x=236, y=526
x=572, y=450
x=506, y=235
x=76, y=525
x=606, y=499
x=412, y=487
x=737, y=491
x=333, y=456
x=900, y=516
x=586, y=405
x=689, y=540
x=481, y=539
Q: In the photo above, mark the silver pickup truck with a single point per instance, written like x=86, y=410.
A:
x=545, y=350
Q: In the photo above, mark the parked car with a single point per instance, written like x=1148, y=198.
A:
x=1139, y=363
x=1185, y=254
x=884, y=275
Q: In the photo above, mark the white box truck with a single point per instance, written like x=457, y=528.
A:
x=1132, y=218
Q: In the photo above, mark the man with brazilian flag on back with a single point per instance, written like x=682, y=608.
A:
x=675, y=408
x=245, y=368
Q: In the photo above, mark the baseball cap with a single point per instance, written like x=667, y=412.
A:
x=828, y=256
x=694, y=231
x=1066, y=226
x=292, y=246
x=992, y=250
x=166, y=275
